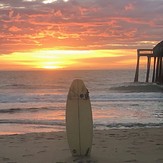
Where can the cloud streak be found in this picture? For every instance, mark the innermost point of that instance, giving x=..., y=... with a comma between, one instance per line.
x=26, y=25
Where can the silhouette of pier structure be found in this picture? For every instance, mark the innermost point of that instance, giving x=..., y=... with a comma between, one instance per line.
x=155, y=55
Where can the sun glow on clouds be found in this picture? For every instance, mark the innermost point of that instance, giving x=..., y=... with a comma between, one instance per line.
x=61, y=59
x=50, y=65
x=29, y=28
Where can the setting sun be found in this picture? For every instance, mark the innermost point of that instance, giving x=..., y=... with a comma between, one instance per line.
x=66, y=59
x=50, y=65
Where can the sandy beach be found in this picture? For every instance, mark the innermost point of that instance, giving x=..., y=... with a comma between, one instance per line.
x=114, y=146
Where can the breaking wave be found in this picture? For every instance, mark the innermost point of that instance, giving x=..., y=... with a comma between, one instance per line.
x=23, y=110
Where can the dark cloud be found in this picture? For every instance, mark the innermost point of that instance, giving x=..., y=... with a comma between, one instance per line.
x=79, y=24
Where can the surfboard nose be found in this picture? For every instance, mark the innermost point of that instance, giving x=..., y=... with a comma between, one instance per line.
x=78, y=89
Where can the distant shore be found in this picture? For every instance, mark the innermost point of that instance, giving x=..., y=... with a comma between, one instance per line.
x=119, y=145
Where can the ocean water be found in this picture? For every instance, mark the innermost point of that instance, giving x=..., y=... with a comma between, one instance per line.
x=34, y=101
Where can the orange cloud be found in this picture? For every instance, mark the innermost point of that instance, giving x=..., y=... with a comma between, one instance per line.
x=79, y=24
x=28, y=26
x=14, y=29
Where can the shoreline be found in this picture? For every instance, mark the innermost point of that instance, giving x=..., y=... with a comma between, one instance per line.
x=112, y=145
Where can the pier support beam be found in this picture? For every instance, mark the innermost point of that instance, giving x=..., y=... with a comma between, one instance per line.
x=162, y=71
x=159, y=78
x=147, y=53
x=137, y=69
x=157, y=70
x=154, y=70
x=148, y=68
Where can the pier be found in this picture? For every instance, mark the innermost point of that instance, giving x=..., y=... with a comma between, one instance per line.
x=157, y=59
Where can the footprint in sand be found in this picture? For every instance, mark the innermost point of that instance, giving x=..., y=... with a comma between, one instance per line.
x=131, y=161
x=5, y=159
x=41, y=151
x=28, y=155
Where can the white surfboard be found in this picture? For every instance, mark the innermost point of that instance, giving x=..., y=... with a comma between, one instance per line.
x=79, y=123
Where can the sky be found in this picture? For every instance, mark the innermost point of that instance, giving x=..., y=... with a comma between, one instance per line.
x=77, y=34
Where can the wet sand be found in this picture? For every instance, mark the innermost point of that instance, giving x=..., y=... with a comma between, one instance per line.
x=109, y=146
